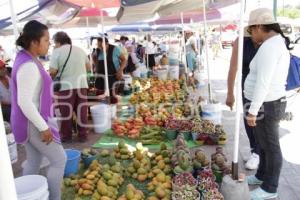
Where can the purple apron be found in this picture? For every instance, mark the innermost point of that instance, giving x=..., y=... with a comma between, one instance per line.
x=19, y=123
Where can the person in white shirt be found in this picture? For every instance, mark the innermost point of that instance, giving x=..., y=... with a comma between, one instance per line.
x=32, y=108
x=264, y=90
x=191, y=50
x=150, y=50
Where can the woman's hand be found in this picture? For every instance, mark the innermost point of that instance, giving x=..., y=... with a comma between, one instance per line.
x=46, y=136
x=251, y=120
x=230, y=101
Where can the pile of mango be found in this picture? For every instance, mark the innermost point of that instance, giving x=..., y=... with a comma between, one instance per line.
x=140, y=166
x=86, y=185
x=132, y=194
x=161, y=160
x=160, y=186
x=122, y=151
x=110, y=181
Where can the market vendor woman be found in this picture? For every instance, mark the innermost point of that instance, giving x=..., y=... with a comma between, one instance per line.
x=31, y=105
x=116, y=63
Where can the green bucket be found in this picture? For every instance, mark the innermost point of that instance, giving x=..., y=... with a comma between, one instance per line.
x=187, y=135
x=171, y=134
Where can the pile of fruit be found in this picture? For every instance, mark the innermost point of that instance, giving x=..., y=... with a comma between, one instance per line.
x=88, y=152
x=160, y=186
x=219, y=162
x=131, y=128
x=157, y=91
x=209, y=133
x=140, y=166
x=181, y=158
x=185, y=187
x=200, y=161
x=132, y=194
x=184, y=181
x=180, y=125
x=158, y=113
x=207, y=185
x=161, y=161
x=121, y=151
x=141, y=175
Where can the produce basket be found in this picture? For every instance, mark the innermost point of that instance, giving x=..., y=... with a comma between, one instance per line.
x=186, y=134
x=203, y=137
x=171, y=134
x=222, y=140
x=176, y=196
x=183, y=187
x=195, y=136
x=219, y=176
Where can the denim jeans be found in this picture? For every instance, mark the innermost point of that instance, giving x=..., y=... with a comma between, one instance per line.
x=267, y=135
x=250, y=130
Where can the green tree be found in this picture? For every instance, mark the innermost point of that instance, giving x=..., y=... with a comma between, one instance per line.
x=292, y=13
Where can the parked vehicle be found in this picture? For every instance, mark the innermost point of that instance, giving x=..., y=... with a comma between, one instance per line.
x=288, y=30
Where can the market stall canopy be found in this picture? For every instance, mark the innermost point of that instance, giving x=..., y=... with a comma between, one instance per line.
x=96, y=3
x=46, y=11
x=146, y=9
x=195, y=16
x=88, y=22
x=139, y=28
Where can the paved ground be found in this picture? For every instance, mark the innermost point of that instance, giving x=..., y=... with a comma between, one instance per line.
x=289, y=187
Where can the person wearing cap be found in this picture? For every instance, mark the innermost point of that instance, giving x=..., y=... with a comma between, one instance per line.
x=5, y=94
x=249, y=50
x=264, y=90
x=191, y=49
x=116, y=63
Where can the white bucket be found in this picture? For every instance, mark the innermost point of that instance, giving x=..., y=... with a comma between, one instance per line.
x=127, y=79
x=137, y=73
x=101, y=115
x=212, y=112
x=12, y=148
x=200, y=77
x=162, y=74
x=32, y=187
x=174, y=72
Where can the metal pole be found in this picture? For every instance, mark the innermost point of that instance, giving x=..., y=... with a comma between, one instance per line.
x=14, y=19
x=107, y=93
x=238, y=95
x=275, y=8
x=206, y=51
x=7, y=189
x=183, y=43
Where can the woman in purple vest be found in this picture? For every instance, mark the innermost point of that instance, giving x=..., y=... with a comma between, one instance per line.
x=32, y=107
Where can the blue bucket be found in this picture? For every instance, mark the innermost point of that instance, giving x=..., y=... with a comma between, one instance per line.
x=73, y=157
x=88, y=160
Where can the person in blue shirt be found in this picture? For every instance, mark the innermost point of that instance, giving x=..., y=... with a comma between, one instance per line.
x=116, y=63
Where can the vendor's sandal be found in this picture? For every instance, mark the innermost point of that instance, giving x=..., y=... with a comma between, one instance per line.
x=252, y=180
x=260, y=194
